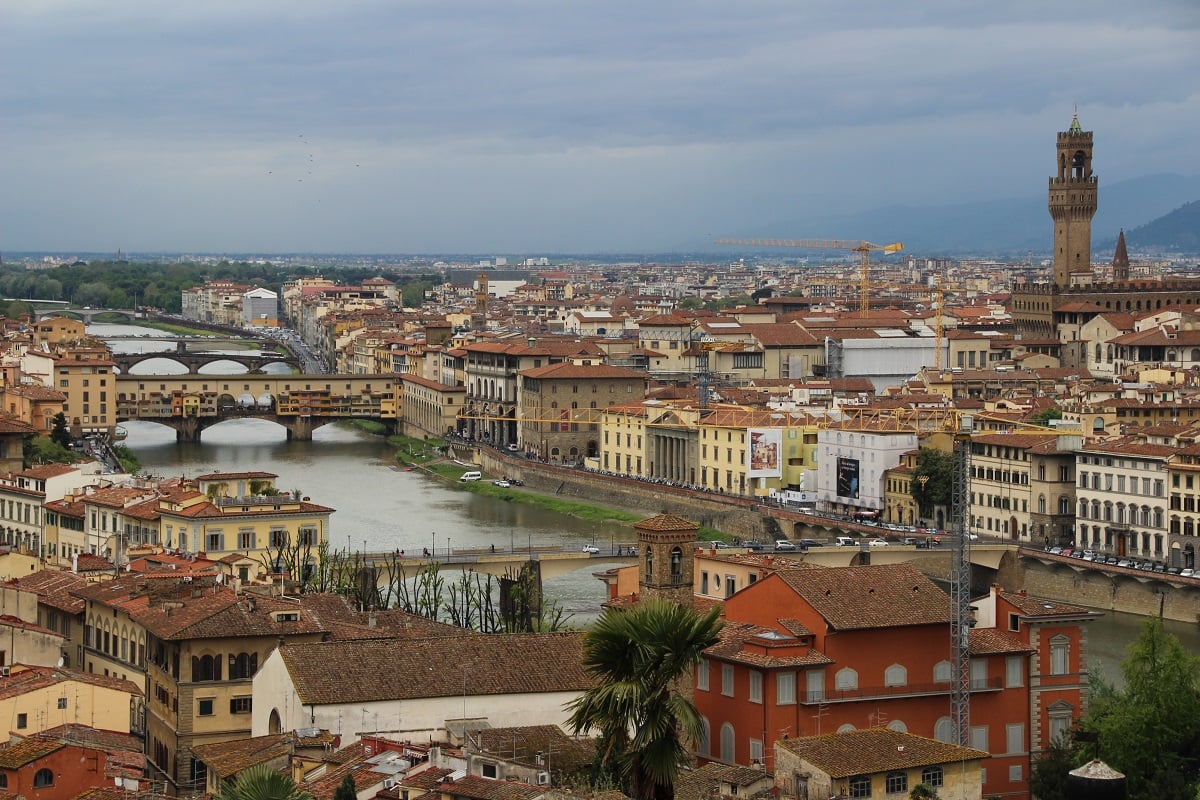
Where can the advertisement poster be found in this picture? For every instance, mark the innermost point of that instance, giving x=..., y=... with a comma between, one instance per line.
x=764, y=458
x=847, y=477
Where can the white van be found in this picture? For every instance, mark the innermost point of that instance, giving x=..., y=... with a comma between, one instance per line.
x=846, y=541
x=470, y=476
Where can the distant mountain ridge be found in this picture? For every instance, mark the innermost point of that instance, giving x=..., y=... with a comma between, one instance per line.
x=1012, y=226
x=1178, y=231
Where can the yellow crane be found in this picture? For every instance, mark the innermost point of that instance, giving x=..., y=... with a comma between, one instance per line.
x=863, y=248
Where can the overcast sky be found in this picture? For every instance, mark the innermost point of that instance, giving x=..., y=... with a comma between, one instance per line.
x=490, y=126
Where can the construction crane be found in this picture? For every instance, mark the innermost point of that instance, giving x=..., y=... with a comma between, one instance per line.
x=863, y=248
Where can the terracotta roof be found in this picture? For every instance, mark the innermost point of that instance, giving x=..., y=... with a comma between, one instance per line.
x=1038, y=607
x=25, y=679
x=851, y=598
x=874, y=750
x=82, y=735
x=227, y=759
x=392, y=669
x=8, y=620
x=734, y=636
x=53, y=588
x=565, y=370
x=993, y=641
x=667, y=522
x=17, y=755
x=524, y=744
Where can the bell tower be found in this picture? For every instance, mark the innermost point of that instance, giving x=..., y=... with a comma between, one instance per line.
x=1073, y=200
x=666, y=555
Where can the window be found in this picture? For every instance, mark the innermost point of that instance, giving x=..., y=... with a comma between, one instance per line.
x=932, y=776
x=239, y=705
x=62, y=702
x=785, y=688
x=204, y=707
x=846, y=678
x=214, y=542
x=1014, y=737
x=755, y=686
x=246, y=540
x=896, y=783
x=1014, y=671
x=22, y=721
x=489, y=770
x=727, y=752
x=1060, y=649
x=895, y=675
x=727, y=680
x=756, y=751
x=1014, y=622
x=942, y=672
x=979, y=673
x=702, y=675
x=979, y=737
x=42, y=778
x=3, y=781
x=943, y=730
x=860, y=786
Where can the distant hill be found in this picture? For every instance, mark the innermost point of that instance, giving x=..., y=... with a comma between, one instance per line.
x=1010, y=226
x=1178, y=231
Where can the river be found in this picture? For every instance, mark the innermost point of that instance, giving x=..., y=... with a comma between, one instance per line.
x=380, y=507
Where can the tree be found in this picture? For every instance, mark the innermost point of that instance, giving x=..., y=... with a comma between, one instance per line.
x=923, y=791
x=261, y=783
x=1044, y=416
x=641, y=658
x=1048, y=780
x=1150, y=729
x=346, y=791
x=60, y=434
x=938, y=467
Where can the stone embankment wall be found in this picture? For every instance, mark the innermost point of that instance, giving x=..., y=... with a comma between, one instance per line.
x=1111, y=591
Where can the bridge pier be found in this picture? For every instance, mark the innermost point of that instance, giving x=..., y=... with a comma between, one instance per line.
x=188, y=430
x=300, y=429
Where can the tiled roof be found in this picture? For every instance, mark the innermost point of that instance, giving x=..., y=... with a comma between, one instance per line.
x=874, y=750
x=227, y=759
x=53, y=588
x=1038, y=607
x=342, y=622
x=393, y=669
x=17, y=755
x=667, y=522
x=885, y=596
x=993, y=641
x=111, y=741
x=524, y=744
x=733, y=637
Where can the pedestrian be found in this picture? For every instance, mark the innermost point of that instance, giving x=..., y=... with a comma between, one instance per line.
x=493, y=548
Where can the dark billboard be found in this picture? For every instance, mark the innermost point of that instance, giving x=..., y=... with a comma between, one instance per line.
x=847, y=477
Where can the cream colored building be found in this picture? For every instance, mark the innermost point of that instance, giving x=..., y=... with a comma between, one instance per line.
x=35, y=699
x=84, y=374
x=1121, y=497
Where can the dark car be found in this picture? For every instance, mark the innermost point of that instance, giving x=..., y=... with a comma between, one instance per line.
x=750, y=544
x=806, y=543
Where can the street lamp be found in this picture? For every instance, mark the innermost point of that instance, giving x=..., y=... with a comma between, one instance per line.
x=433, y=544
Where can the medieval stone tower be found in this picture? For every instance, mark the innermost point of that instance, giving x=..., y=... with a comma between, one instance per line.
x=1073, y=204
x=666, y=547
x=479, y=315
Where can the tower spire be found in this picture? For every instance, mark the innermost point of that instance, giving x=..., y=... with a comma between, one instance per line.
x=1120, y=262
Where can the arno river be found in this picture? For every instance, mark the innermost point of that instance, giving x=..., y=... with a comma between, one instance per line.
x=383, y=508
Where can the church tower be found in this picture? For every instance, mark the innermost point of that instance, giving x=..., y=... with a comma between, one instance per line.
x=1120, y=265
x=1073, y=203
x=667, y=556
x=479, y=315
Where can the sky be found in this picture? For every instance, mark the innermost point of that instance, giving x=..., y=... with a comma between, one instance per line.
x=515, y=127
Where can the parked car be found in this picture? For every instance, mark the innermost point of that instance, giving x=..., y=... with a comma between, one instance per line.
x=591, y=548
x=878, y=543
x=718, y=545
x=512, y=447
x=784, y=544
x=750, y=544
x=806, y=543
x=503, y=484
x=1187, y=572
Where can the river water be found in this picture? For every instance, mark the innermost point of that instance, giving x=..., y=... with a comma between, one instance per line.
x=381, y=508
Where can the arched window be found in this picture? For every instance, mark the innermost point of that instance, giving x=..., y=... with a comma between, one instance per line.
x=274, y=725
x=895, y=675
x=1041, y=505
x=942, y=672
x=676, y=566
x=1083, y=509
x=704, y=746
x=206, y=668
x=1064, y=504
x=846, y=678
x=1098, y=351
x=43, y=777
x=3, y=781
x=727, y=751
x=243, y=666
x=846, y=728
x=932, y=777
x=943, y=730
x=898, y=725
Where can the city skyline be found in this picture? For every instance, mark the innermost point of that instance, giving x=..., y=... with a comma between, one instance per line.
x=544, y=128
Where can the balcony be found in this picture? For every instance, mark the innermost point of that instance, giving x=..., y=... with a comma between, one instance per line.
x=894, y=692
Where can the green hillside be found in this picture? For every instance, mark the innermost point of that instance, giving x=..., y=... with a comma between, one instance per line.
x=1177, y=231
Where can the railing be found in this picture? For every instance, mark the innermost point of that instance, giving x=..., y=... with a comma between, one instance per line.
x=907, y=690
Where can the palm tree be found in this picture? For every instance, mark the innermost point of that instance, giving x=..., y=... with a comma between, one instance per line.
x=641, y=658
x=262, y=783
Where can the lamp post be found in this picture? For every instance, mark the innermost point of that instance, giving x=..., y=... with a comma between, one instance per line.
x=433, y=544
x=447, y=548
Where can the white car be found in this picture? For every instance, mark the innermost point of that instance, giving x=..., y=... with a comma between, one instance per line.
x=503, y=484
x=878, y=543
x=591, y=548
x=1187, y=573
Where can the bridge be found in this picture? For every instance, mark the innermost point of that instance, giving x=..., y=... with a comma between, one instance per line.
x=188, y=354
x=85, y=314
x=553, y=561
x=301, y=403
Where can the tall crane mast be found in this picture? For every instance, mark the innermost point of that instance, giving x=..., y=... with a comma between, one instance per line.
x=863, y=248
x=960, y=582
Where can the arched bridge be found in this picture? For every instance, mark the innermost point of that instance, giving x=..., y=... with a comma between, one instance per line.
x=300, y=403
x=85, y=314
x=188, y=354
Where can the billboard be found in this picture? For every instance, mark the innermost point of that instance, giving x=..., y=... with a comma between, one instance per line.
x=764, y=456
x=847, y=477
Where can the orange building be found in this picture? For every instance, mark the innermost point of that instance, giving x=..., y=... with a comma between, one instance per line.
x=812, y=651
